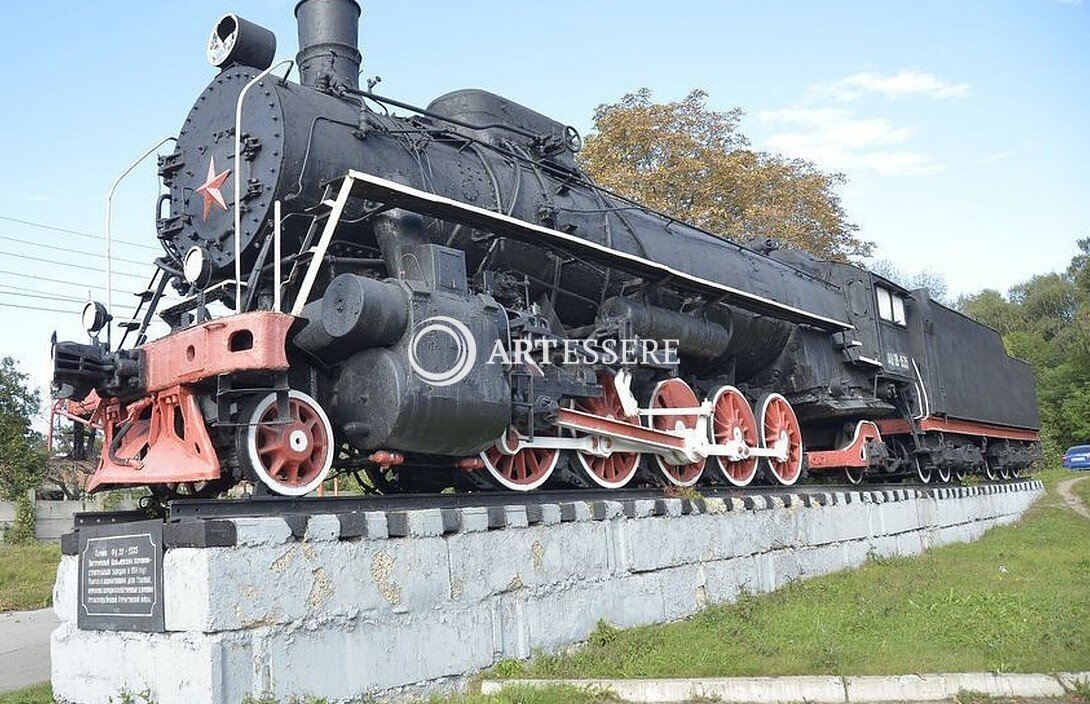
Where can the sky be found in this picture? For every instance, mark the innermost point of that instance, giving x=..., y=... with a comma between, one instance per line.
x=963, y=127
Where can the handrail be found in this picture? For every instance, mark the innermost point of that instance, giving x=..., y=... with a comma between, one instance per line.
x=277, y=293
x=238, y=174
x=318, y=252
x=109, y=217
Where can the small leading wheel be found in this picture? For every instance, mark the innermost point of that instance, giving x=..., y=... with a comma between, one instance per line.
x=616, y=469
x=944, y=473
x=779, y=425
x=923, y=470
x=291, y=456
x=675, y=393
x=524, y=470
x=190, y=490
x=854, y=475
x=732, y=419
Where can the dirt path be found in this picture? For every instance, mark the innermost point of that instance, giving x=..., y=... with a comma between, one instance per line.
x=1070, y=499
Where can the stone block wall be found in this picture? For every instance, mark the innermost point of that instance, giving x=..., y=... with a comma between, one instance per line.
x=345, y=606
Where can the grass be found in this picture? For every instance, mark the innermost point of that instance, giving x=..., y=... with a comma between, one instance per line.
x=43, y=694
x=530, y=695
x=26, y=575
x=38, y=694
x=1016, y=600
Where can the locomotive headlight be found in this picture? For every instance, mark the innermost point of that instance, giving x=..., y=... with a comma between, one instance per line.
x=196, y=266
x=94, y=316
x=238, y=41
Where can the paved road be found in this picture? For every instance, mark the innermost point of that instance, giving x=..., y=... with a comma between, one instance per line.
x=24, y=647
x=1070, y=498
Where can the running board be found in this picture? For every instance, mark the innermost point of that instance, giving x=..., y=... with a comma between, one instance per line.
x=390, y=193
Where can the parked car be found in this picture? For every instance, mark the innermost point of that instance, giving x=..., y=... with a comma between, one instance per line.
x=1077, y=457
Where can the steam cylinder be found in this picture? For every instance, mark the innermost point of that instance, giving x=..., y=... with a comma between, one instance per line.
x=355, y=313
x=698, y=337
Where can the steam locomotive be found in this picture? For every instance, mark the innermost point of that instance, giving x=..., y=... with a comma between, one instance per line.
x=441, y=297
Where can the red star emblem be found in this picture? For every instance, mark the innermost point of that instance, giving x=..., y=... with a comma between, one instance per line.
x=211, y=188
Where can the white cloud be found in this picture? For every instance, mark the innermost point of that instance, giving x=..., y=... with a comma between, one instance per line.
x=824, y=130
x=903, y=84
x=998, y=156
x=803, y=116
x=839, y=126
x=836, y=138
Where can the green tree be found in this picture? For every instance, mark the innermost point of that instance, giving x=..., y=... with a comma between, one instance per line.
x=22, y=460
x=993, y=309
x=1046, y=321
x=694, y=164
x=21, y=456
x=923, y=278
x=1079, y=271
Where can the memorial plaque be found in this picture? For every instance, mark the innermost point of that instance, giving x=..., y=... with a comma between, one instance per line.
x=121, y=577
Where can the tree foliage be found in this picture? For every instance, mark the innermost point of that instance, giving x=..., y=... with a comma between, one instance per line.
x=924, y=278
x=21, y=456
x=694, y=164
x=1046, y=321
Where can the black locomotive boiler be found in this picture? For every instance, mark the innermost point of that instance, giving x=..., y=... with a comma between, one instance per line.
x=441, y=297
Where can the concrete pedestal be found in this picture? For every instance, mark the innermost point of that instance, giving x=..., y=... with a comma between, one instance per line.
x=347, y=606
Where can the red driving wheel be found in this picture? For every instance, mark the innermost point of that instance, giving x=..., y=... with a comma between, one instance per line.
x=778, y=422
x=732, y=418
x=616, y=469
x=675, y=393
x=524, y=470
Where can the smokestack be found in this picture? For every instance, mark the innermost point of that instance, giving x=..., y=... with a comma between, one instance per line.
x=328, y=43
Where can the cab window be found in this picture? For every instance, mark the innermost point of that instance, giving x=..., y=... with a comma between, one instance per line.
x=891, y=305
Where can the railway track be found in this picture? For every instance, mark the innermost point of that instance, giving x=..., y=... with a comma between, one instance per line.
x=257, y=506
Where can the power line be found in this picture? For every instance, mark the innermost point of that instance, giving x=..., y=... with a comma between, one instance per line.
x=34, y=293
x=62, y=299
x=74, y=266
x=66, y=283
x=38, y=293
x=77, y=232
x=166, y=298
x=72, y=251
x=38, y=308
